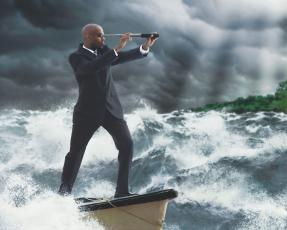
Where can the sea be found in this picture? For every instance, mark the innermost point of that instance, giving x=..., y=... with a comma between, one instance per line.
x=230, y=170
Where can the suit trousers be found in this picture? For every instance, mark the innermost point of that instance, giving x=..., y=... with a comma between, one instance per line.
x=82, y=131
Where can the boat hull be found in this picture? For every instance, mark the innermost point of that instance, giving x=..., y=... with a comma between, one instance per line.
x=136, y=212
x=147, y=216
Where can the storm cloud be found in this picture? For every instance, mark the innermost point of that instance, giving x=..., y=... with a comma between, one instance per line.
x=208, y=51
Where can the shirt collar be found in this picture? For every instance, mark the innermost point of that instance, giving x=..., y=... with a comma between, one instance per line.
x=94, y=52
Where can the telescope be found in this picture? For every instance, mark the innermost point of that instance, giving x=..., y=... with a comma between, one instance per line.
x=138, y=35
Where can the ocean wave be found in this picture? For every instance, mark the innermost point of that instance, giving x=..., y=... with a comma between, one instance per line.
x=229, y=169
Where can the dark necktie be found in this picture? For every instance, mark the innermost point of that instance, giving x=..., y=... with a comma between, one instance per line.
x=98, y=51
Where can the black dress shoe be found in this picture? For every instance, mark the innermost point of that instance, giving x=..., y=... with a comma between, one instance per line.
x=117, y=195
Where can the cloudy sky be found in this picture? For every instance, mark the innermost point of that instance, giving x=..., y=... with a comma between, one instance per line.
x=208, y=51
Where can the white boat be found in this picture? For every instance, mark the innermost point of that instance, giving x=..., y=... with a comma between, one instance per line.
x=136, y=212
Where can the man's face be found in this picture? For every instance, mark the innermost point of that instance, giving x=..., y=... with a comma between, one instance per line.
x=96, y=37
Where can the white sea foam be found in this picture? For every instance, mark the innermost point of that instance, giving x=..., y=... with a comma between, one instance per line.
x=261, y=210
x=99, y=189
x=41, y=142
x=46, y=212
x=23, y=209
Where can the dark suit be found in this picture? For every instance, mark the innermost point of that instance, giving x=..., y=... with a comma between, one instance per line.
x=98, y=105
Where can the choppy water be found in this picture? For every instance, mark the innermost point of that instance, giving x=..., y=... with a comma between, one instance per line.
x=230, y=170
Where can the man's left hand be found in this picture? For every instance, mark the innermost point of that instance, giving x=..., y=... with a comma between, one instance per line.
x=149, y=42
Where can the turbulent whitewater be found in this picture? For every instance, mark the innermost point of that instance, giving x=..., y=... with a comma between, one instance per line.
x=230, y=170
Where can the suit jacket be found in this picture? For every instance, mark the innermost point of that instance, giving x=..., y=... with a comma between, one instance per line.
x=96, y=87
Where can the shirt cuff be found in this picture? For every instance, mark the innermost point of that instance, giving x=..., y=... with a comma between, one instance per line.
x=143, y=51
x=116, y=53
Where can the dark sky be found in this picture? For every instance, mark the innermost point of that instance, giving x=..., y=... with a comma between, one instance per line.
x=208, y=51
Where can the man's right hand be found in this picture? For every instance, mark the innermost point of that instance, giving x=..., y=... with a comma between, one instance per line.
x=123, y=41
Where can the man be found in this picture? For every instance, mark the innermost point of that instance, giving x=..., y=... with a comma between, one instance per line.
x=98, y=103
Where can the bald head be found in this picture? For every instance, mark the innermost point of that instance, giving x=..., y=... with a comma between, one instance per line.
x=93, y=35
x=90, y=28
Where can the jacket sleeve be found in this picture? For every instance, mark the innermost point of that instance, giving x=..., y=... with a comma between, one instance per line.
x=83, y=66
x=130, y=55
